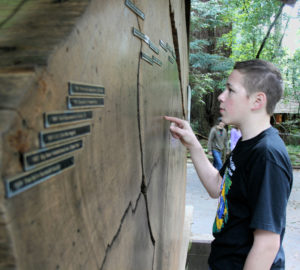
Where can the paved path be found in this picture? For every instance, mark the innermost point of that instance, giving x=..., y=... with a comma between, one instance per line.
x=205, y=210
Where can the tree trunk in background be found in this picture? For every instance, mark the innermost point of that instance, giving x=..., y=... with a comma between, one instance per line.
x=207, y=114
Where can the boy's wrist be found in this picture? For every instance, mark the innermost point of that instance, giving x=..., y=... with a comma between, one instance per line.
x=195, y=147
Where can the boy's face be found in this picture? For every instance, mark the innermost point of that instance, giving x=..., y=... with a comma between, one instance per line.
x=234, y=101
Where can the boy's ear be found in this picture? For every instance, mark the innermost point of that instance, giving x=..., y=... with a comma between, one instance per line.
x=259, y=100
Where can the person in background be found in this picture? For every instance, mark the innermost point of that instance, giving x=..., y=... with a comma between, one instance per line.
x=217, y=143
x=235, y=135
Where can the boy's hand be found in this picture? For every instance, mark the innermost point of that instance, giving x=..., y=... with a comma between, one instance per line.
x=181, y=129
x=208, y=175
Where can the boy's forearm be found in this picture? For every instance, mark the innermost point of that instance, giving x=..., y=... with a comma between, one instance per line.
x=260, y=260
x=208, y=175
x=263, y=252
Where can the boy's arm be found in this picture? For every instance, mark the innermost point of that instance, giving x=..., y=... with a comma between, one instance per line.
x=264, y=250
x=208, y=175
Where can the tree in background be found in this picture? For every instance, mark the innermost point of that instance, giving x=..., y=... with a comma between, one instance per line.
x=224, y=31
x=292, y=75
x=209, y=62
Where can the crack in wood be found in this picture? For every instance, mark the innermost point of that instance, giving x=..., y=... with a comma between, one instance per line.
x=109, y=246
x=144, y=187
x=176, y=47
x=13, y=13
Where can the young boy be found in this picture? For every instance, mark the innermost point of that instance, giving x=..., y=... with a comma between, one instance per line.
x=255, y=182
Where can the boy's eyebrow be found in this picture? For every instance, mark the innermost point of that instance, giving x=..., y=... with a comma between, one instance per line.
x=231, y=86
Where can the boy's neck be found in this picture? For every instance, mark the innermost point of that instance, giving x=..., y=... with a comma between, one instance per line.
x=254, y=126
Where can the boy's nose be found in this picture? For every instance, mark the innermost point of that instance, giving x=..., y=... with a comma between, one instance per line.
x=221, y=96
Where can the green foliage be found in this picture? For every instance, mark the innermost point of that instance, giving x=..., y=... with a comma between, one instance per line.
x=292, y=77
x=289, y=127
x=206, y=14
x=208, y=71
x=210, y=62
x=294, y=153
x=248, y=22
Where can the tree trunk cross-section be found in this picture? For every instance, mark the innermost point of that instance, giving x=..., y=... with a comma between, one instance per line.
x=91, y=177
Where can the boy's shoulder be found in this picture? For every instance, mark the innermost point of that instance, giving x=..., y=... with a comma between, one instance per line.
x=269, y=141
x=271, y=148
x=267, y=146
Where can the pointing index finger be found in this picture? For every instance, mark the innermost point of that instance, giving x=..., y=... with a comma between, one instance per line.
x=175, y=120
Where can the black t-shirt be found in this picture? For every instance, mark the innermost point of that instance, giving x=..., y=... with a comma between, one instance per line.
x=257, y=181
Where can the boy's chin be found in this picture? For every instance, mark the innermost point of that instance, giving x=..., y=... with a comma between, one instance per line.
x=224, y=120
x=227, y=121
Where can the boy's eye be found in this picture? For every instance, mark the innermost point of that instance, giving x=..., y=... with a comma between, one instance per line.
x=230, y=90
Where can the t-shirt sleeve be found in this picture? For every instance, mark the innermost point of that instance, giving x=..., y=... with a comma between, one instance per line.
x=268, y=194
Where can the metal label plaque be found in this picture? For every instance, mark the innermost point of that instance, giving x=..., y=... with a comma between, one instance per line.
x=57, y=136
x=24, y=181
x=163, y=45
x=169, y=48
x=147, y=58
x=171, y=59
x=136, y=10
x=61, y=118
x=156, y=61
x=85, y=89
x=140, y=35
x=153, y=47
x=174, y=55
x=83, y=102
x=40, y=157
